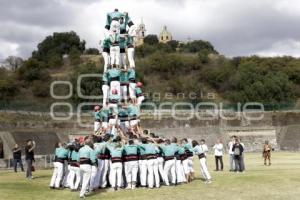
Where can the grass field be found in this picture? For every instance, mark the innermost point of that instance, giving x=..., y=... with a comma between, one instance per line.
x=259, y=182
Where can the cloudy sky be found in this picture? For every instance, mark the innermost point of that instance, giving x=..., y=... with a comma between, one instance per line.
x=234, y=27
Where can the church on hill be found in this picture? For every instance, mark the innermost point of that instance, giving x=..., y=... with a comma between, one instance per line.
x=165, y=36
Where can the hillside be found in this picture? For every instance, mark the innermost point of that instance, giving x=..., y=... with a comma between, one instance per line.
x=173, y=72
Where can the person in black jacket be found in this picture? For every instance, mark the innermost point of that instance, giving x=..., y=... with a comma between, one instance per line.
x=17, y=154
x=238, y=150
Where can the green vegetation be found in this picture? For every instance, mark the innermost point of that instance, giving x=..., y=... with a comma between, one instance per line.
x=277, y=182
x=172, y=68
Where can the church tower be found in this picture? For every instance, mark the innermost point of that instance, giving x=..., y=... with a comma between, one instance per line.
x=139, y=40
x=165, y=36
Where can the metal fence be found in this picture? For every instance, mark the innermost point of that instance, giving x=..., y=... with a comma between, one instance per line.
x=41, y=162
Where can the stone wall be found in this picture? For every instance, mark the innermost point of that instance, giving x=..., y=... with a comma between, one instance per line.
x=281, y=128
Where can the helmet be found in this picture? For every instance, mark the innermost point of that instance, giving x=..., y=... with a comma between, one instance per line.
x=139, y=84
x=97, y=107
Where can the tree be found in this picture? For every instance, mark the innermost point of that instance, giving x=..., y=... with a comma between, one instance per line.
x=173, y=44
x=198, y=45
x=32, y=70
x=14, y=62
x=74, y=56
x=53, y=47
x=151, y=39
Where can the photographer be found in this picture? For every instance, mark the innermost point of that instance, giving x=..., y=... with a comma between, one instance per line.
x=29, y=156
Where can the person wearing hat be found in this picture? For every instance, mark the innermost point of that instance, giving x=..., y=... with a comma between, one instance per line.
x=85, y=157
x=139, y=93
x=61, y=154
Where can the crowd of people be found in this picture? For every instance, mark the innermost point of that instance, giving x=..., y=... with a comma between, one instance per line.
x=126, y=161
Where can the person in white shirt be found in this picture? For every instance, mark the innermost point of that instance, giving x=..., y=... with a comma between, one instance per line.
x=231, y=153
x=218, y=147
x=203, y=146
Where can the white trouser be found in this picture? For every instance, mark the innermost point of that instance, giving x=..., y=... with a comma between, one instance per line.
x=93, y=183
x=140, y=100
x=152, y=168
x=123, y=60
x=57, y=174
x=115, y=55
x=204, y=170
x=160, y=163
x=115, y=85
x=106, y=60
x=191, y=164
x=103, y=166
x=115, y=174
x=65, y=175
x=74, y=177
x=98, y=175
x=186, y=167
x=124, y=95
x=130, y=53
x=131, y=169
x=105, y=90
x=143, y=172
x=104, y=125
x=180, y=172
x=85, y=170
x=132, y=90
x=170, y=167
x=97, y=126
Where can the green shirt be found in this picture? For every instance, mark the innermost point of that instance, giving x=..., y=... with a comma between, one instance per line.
x=104, y=114
x=147, y=149
x=74, y=155
x=115, y=151
x=130, y=150
x=98, y=115
x=133, y=111
x=169, y=150
x=85, y=152
x=124, y=77
x=131, y=74
x=61, y=153
x=111, y=16
x=138, y=91
x=113, y=73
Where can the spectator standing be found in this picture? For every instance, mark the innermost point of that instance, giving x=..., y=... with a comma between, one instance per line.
x=29, y=156
x=17, y=157
x=218, y=147
x=238, y=150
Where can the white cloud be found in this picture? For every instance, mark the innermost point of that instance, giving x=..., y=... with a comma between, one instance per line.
x=282, y=48
x=234, y=27
x=8, y=48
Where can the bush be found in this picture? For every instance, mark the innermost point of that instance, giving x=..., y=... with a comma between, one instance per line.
x=40, y=88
